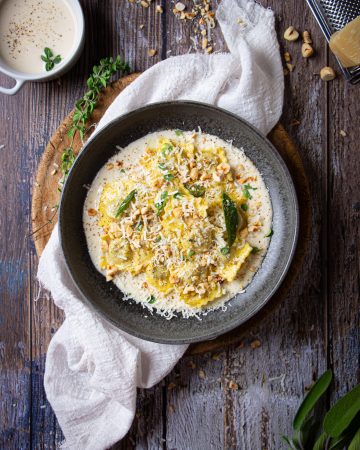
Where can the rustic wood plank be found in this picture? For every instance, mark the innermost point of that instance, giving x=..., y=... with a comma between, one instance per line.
x=15, y=370
x=343, y=234
x=272, y=377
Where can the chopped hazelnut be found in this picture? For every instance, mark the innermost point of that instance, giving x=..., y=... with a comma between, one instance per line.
x=306, y=37
x=327, y=74
x=152, y=52
x=306, y=50
x=291, y=34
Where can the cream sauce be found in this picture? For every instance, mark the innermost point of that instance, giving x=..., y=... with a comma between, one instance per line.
x=260, y=209
x=28, y=26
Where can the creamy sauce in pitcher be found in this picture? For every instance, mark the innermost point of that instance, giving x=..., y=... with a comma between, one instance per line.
x=28, y=26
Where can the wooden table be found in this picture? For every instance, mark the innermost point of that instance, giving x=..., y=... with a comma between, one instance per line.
x=315, y=328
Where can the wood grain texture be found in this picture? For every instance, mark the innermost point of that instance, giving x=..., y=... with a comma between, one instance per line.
x=316, y=326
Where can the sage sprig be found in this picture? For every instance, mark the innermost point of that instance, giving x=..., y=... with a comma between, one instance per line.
x=340, y=428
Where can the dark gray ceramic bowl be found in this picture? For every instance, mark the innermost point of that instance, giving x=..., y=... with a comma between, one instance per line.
x=105, y=297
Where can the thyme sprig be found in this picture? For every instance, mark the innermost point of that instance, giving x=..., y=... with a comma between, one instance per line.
x=84, y=107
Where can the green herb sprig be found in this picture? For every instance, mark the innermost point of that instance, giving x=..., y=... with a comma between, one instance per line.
x=160, y=205
x=196, y=190
x=340, y=427
x=125, y=203
x=151, y=300
x=231, y=218
x=49, y=59
x=84, y=107
x=246, y=191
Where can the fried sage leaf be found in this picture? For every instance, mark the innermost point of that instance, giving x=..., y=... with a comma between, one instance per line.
x=125, y=203
x=231, y=218
x=195, y=189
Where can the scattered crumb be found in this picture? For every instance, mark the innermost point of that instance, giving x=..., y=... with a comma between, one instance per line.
x=2, y=146
x=172, y=408
x=263, y=379
x=152, y=52
x=141, y=26
x=202, y=375
x=216, y=357
x=255, y=344
x=241, y=22
x=343, y=133
x=290, y=67
x=200, y=15
x=171, y=386
x=92, y=212
x=180, y=6
x=287, y=57
x=234, y=386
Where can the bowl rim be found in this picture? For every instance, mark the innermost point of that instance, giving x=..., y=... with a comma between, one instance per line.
x=235, y=323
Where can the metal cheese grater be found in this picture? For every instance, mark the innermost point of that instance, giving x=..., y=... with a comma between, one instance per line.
x=332, y=15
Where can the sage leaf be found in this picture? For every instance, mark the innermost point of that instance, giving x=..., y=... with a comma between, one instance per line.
x=231, y=218
x=308, y=432
x=125, y=203
x=195, y=189
x=355, y=443
x=321, y=442
x=345, y=438
x=342, y=413
x=311, y=399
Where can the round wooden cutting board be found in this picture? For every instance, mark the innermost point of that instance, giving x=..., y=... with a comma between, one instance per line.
x=46, y=197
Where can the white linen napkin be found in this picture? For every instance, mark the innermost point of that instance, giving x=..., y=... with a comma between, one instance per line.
x=93, y=369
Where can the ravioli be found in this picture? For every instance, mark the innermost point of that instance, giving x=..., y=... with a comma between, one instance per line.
x=165, y=219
